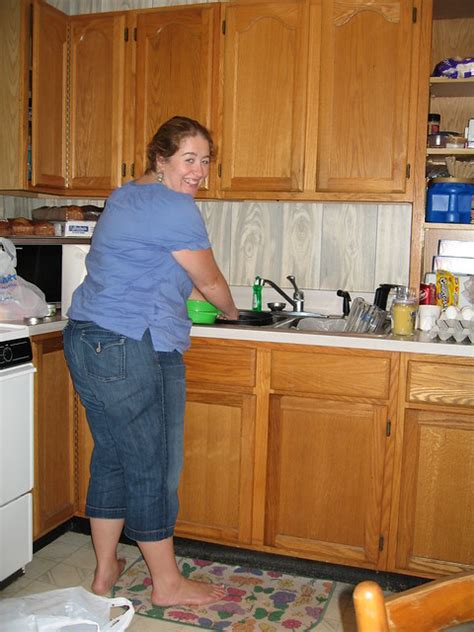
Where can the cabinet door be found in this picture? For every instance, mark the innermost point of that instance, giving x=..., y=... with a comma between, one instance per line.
x=176, y=74
x=216, y=485
x=54, y=487
x=49, y=74
x=325, y=479
x=265, y=63
x=96, y=102
x=367, y=96
x=434, y=522
x=14, y=49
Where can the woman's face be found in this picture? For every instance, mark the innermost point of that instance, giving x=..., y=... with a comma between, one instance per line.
x=186, y=170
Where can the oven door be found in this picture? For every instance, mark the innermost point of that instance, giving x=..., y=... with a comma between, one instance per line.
x=16, y=467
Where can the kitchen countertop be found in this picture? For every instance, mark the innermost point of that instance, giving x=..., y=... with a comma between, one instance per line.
x=419, y=343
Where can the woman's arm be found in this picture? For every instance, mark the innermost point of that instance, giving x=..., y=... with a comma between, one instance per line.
x=208, y=279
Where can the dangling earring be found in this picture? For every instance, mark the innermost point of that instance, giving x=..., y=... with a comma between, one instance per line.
x=159, y=176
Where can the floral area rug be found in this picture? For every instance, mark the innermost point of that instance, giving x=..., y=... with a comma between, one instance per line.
x=256, y=600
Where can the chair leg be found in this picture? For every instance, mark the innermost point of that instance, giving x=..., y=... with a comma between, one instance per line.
x=369, y=604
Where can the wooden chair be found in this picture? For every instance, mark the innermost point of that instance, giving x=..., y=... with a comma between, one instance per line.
x=430, y=607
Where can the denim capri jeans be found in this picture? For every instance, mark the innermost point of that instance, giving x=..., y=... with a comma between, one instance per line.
x=134, y=398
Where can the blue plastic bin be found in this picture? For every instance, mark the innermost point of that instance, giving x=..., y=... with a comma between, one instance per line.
x=449, y=200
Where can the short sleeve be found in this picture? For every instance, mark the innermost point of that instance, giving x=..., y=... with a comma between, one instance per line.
x=180, y=225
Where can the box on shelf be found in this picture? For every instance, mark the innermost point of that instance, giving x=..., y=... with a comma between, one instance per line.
x=430, y=277
x=74, y=228
x=456, y=265
x=453, y=248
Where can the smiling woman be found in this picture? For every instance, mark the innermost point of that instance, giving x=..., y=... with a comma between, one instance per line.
x=128, y=328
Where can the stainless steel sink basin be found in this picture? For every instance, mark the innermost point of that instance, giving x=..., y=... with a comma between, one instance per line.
x=312, y=323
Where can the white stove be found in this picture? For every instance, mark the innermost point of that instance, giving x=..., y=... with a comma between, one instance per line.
x=16, y=449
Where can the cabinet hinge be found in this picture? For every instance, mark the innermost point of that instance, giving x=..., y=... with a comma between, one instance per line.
x=223, y=27
x=414, y=14
x=388, y=428
x=408, y=171
x=135, y=34
x=125, y=34
x=219, y=170
x=132, y=170
x=381, y=543
x=124, y=170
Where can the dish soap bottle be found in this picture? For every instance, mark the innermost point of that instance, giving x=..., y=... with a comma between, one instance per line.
x=257, y=294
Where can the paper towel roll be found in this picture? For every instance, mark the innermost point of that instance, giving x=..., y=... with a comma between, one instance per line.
x=73, y=272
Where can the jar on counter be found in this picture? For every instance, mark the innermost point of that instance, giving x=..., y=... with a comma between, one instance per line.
x=404, y=308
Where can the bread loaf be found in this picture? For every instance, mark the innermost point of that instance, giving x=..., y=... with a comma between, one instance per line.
x=5, y=228
x=43, y=228
x=21, y=226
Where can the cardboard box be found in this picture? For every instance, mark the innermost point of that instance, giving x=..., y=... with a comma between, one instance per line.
x=456, y=265
x=452, y=248
x=74, y=228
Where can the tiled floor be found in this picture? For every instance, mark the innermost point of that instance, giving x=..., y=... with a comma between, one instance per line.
x=70, y=561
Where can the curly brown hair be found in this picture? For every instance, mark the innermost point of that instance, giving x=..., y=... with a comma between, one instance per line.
x=165, y=143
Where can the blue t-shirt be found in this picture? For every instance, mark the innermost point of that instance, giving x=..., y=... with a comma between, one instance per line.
x=133, y=282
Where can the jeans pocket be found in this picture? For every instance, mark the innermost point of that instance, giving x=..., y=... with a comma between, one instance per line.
x=104, y=354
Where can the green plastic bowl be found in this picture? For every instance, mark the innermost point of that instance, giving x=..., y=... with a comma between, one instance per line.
x=202, y=312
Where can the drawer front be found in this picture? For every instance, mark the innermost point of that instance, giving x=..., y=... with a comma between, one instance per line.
x=331, y=374
x=440, y=383
x=220, y=364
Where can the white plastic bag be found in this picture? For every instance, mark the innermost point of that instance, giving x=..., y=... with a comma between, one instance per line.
x=64, y=610
x=18, y=298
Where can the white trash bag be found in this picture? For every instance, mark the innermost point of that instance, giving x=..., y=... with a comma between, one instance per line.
x=64, y=610
x=18, y=298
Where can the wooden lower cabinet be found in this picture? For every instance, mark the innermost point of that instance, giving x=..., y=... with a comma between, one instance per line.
x=347, y=456
x=328, y=447
x=432, y=530
x=216, y=485
x=54, y=484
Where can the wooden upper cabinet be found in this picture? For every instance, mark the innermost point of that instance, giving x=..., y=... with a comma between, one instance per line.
x=177, y=72
x=14, y=42
x=265, y=61
x=97, y=58
x=49, y=76
x=367, y=102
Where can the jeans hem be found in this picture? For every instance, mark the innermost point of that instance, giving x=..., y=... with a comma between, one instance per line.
x=153, y=535
x=110, y=514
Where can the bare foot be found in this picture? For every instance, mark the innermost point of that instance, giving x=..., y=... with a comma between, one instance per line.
x=103, y=583
x=187, y=592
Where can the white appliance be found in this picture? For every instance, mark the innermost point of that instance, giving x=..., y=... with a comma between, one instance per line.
x=16, y=449
x=73, y=272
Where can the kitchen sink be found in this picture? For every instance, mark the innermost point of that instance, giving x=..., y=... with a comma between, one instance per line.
x=312, y=323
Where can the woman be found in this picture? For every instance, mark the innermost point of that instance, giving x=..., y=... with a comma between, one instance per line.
x=124, y=341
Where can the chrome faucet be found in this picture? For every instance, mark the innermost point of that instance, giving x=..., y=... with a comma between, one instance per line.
x=297, y=302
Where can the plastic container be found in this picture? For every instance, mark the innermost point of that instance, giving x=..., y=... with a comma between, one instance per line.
x=449, y=200
x=202, y=312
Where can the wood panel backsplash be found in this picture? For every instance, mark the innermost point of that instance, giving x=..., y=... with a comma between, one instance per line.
x=326, y=246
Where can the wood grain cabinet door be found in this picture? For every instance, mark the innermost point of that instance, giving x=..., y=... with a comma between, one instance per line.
x=265, y=61
x=325, y=479
x=96, y=102
x=54, y=486
x=216, y=484
x=435, y=518
x=49, y=75
x=176, y=72
x=367, y=103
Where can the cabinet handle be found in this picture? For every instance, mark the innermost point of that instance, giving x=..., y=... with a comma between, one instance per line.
x=124, y=170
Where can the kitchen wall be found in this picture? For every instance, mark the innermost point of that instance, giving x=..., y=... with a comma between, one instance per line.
x=326, y=246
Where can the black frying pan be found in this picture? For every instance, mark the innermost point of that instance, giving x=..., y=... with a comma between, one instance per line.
x=248, y=317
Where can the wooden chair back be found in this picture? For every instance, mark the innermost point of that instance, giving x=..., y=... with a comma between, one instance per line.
x=430, y=607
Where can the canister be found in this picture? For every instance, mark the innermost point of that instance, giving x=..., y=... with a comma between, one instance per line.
x=404, y=308
x=449, y=200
